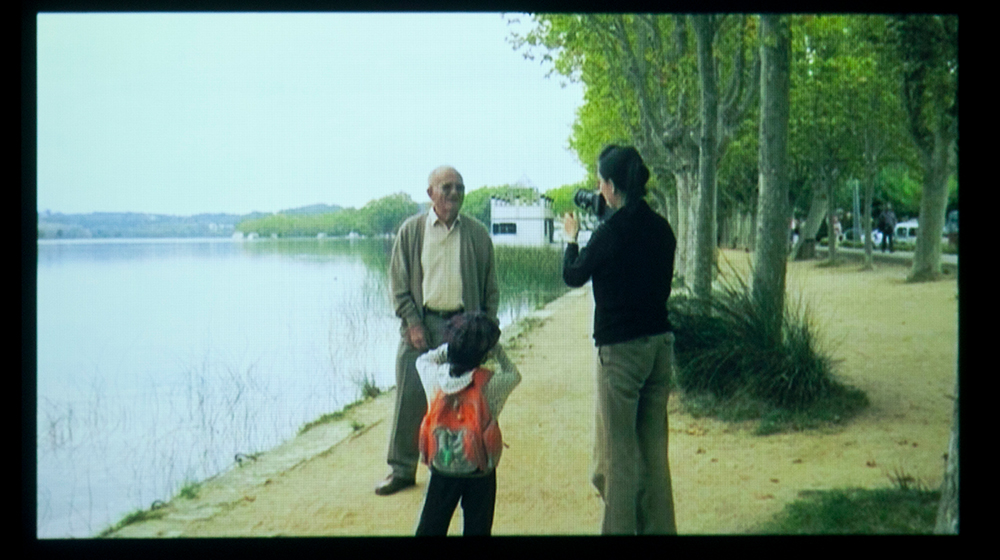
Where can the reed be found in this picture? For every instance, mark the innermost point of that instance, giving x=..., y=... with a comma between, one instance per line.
x=529, y=276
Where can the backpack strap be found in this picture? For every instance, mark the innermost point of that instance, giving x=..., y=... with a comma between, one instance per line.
x=480, y=377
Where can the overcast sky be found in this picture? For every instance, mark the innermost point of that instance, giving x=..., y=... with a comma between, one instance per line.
x=191, y=113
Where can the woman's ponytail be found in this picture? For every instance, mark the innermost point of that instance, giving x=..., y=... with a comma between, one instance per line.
x=623, y=166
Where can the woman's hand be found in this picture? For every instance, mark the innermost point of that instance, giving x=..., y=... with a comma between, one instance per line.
x=570, y=226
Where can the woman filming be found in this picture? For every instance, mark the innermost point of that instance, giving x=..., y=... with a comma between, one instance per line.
x=630, y=259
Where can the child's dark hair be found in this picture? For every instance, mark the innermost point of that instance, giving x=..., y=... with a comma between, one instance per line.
x=470, y=336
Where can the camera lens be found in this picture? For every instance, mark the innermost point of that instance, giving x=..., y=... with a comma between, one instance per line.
x=590, y=201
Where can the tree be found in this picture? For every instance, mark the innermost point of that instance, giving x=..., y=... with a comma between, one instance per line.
x=380, y=216
x=768, y=285
x=846, y=120
x=873, y=113
x=640, y=71
x=705, y=26
x=638, y=75
x=927, y=47
x=820, y=146
x=386, y=214
x=562, y=197
x=477, y=202
x=719, y=121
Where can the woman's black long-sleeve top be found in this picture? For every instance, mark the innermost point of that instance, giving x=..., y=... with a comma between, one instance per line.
x=630, y=258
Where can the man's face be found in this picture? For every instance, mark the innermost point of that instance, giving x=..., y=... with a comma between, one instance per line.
x=447, y=192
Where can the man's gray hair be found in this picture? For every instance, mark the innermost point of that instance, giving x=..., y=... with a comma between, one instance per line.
x=440, y=171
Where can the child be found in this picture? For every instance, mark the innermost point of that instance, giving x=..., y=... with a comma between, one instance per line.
x=459, y=437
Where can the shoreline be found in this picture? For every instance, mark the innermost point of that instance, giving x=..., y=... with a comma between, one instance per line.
x=227, y=488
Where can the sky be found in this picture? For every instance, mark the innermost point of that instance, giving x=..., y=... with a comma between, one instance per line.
x=188, y=113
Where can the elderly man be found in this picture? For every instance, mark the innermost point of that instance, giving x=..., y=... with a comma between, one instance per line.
x=442, y=265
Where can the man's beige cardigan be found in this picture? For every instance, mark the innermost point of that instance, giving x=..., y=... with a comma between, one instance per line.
x=479, y=277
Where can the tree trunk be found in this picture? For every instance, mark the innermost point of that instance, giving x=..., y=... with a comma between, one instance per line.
x=665, y=196
x=733, y=229
x=927, y=257
x=866, y=229
x=685, y=184
x=947, y=515
x=871, y=169
x=772, y=209
x=831, y=218
x=809, y=228
x=706, y=228
x=748, y=226
x=928, y=45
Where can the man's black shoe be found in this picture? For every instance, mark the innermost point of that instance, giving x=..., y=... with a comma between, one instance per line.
x=391, y=485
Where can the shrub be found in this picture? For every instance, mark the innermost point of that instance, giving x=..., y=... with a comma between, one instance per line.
x=730, y=365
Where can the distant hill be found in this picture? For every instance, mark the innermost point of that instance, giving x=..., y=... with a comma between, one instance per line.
x=56, y=225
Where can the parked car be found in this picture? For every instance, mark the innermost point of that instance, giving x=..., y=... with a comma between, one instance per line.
x=906, y=231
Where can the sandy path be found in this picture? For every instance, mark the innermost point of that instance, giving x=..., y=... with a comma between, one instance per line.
x=897, y=342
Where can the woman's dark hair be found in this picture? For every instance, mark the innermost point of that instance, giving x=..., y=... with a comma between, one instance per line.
x=623, y=166
x=470, y=336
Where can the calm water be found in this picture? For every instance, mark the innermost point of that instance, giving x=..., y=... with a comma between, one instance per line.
x=159, y=361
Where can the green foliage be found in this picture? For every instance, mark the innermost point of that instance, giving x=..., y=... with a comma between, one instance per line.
x=189, y=490
x=623, y=85
x=846, y=112
x=477, y=202
x=927, y=49
x=896, y=184
x=384, y=215
x=562, y=197
x=731, y=364
x=378, y=217
x=738, y=175
x=897, y=511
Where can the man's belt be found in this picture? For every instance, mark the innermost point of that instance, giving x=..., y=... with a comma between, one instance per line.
x=443, y=314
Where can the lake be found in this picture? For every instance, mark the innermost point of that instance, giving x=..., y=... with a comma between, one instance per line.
x=160, y=360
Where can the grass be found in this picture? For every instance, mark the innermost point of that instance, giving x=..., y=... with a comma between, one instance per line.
x=858, y=511
x=189, y=490
x=369, y=390
x=520, y=341
x=331, y=417
x=734, y=366
x=134, y=517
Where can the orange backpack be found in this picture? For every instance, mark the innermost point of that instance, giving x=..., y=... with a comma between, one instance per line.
x=458, y=436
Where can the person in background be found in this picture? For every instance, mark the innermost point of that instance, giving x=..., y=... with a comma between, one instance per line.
x=887, y=225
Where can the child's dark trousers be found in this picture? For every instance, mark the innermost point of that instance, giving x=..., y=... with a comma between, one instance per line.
x=477, y=494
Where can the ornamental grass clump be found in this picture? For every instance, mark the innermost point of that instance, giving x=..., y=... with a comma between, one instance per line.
x=733, y=365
